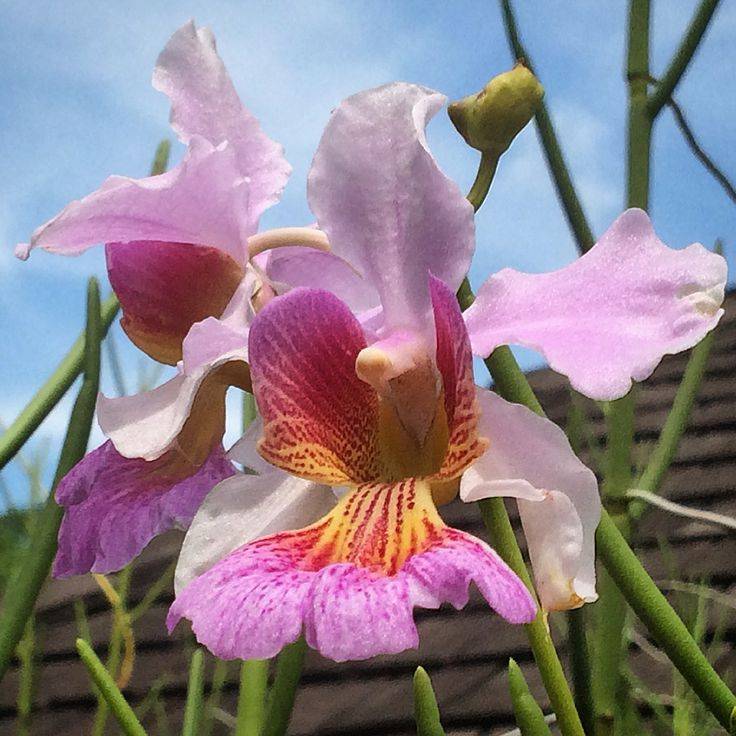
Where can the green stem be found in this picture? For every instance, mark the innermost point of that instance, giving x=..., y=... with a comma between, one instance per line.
x=27, y=656
x=123, y=713
x=528, y=714
x=509, y=381
x=426, y=712
x=30, y=576
x=483, y=179
x=683, y=56
x=283, y=691
x=49, y=395
x=663, y=623
x=577, y=639
x=504, y=541
x=252, y=697
x=195, y=696
x=550, y=145
x=676, y=422
x=219, y=677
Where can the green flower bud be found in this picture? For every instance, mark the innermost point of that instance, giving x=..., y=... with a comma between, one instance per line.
x=491, y=119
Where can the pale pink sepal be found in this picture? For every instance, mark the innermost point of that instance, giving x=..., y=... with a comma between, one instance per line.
x=530, y=458
x=610, y=316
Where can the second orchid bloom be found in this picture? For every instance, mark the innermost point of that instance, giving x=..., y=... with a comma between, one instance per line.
x=361, y=364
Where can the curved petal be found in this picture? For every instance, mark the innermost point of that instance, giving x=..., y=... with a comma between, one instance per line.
x=204, y=103
x=320, y=419
x=114, y=506
x=245, y=450
x=187, y=411
x=350, y=581
x=203, y=200
x=164, y=288
x=244, y=508
x=295, y=266
x=529, y=458
x=611, y=315
x=385, y=205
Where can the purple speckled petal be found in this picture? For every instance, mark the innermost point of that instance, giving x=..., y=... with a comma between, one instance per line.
x=115, y=505
x=350, y=580
x=610, y=316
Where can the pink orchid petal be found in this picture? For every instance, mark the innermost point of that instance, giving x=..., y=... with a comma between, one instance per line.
x=114, y=506
x=243, y=508
x=291, y=267
x=320, y=419
x=204, y=103
x=154, y=283
x=610, y=316
x=201, y=201
x=385, y=205
x=530, y=458
x=455, y=364
x=146, y=425
x=353, y=599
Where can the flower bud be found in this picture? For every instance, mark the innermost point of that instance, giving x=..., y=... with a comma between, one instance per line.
x=491, y=119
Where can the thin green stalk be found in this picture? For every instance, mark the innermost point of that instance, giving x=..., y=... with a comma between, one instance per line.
x=195, y=695
x=26, y=655
x=504, y=541
x=426, y=712
x=49, y=395
x=528, y=714
x=571, y=204
x=683, y=56
x=663, y=623
x=483, y=179
x=676, y=422
x=31, y=574
x=123, y=713
x=283, y=691
x=252, y=697
x=577, y=638
x=611, y=613
x=512, y=384
x=219, y=677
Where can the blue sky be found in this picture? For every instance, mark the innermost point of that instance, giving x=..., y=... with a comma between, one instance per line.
x=76, y=105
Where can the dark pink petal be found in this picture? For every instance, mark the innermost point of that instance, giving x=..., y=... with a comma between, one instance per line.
x=385, y=205
x=610, y=316
x=320, y=419
x=204, y=103
x=114, y=506
x=165, y=288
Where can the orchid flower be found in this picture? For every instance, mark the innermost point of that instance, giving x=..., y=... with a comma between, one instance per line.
x=185, y=262
x=375, y=398
x=392, y=217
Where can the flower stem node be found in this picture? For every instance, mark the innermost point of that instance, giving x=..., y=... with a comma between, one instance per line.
x=491, y=119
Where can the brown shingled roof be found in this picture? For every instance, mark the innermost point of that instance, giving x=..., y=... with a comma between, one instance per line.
x=465, y=652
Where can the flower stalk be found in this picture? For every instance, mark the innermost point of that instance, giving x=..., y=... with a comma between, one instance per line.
x=195, y=696
x=528, y=714
x=252, y=697
x=283, y=691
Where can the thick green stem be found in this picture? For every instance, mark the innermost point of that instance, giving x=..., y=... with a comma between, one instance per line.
x=283, y=691
x=252, y=698
x=663, y=623
x=31, y=574
x=571, y=204
x=684, y=54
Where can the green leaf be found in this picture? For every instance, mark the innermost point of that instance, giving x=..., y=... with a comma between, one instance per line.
x=528, y=714
x=426, y=712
